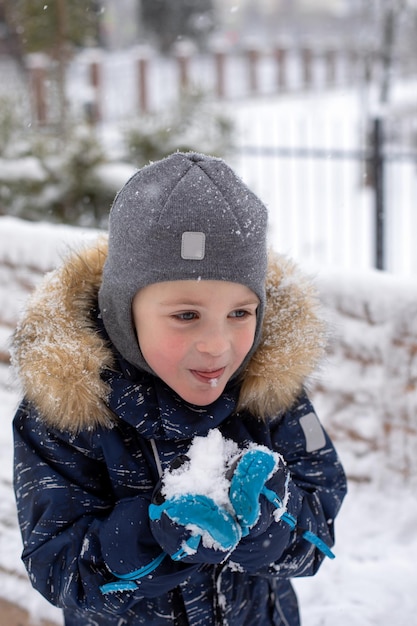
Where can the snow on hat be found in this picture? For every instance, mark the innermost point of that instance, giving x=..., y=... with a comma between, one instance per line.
x=186, y=217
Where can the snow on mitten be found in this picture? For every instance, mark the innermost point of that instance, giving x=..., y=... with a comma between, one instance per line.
x=255, y=468
x=191, y=510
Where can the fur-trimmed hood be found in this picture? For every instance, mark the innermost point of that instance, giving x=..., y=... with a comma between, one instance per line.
x=59, y=355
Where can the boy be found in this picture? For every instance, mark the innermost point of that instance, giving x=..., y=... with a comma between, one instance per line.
x=169, y=467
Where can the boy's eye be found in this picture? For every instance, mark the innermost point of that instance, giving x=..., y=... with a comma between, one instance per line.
x=240, y=313
x=187, y=316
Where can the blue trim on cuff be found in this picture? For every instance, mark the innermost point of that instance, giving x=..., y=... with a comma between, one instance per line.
x=142, y=571
x=319, y=543
x=116, y=586
x=125, y=582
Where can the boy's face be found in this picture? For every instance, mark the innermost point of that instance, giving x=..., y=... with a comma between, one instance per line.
x=195, y=334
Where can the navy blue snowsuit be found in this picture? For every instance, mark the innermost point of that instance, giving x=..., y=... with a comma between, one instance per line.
x=83, y=493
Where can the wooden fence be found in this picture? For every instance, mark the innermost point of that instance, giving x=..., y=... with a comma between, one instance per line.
x=225, y=75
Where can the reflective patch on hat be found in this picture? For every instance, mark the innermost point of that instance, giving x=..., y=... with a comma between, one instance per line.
x=313, y=432
x=193, y=246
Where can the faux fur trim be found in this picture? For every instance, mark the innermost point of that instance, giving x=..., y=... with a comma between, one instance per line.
x=293, y=342
x=59, y=356
x=56, y=350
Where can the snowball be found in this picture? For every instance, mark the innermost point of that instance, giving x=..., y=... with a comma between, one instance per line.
x=205, y=473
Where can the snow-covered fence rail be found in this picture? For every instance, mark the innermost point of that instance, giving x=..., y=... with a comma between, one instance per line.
x=367, y=392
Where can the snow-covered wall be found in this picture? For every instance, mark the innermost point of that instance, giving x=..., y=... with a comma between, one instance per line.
x=367, y=390
x=27, y=251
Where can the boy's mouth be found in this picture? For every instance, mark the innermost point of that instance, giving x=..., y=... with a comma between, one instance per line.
x=208, y=376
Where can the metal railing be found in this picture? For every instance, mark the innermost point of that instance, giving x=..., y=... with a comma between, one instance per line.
x=376, y=158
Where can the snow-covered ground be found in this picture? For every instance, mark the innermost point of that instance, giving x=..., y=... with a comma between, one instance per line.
x=371, y=581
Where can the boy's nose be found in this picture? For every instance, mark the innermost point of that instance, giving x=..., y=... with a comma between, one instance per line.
x=214, y=342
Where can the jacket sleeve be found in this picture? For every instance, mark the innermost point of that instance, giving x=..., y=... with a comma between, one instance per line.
x=77, y=534
x=296, y=544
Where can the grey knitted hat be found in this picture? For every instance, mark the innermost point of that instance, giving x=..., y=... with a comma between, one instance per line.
x=186, y=217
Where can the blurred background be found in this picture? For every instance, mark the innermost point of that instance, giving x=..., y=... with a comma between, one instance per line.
x=313, y=102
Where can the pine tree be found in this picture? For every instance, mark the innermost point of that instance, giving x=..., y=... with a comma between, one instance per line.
x=168, y=21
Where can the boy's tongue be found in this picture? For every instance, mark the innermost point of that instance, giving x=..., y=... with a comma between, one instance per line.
x=208, y=376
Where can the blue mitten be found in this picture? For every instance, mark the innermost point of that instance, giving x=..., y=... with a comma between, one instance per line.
x=203, y=517
x=254, y=469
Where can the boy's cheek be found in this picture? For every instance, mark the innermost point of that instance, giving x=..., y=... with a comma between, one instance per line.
x=164, y=356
